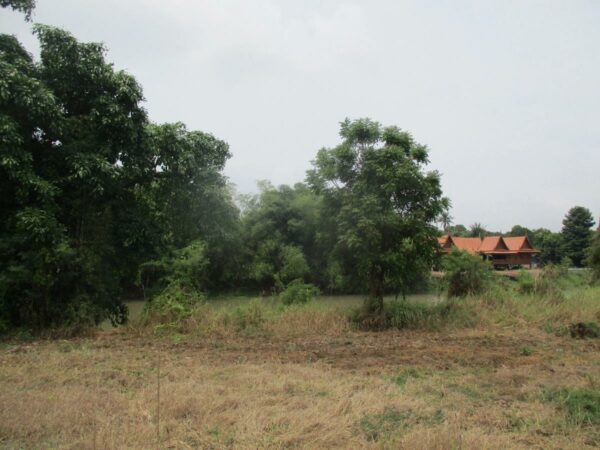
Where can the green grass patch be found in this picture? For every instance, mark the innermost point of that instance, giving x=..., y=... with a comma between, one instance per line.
x=581, y=406
x=406, y=375
x=375, y=427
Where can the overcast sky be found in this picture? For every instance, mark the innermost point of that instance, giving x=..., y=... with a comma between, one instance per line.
x=506, y=94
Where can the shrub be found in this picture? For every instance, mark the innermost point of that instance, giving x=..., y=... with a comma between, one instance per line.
x=526, y=282
x=297, y=293
x=172, y=305
x=250, y=317
x=186, y=267
x=465, y=274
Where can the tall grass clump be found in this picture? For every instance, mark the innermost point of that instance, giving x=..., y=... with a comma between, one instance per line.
x=465, y=274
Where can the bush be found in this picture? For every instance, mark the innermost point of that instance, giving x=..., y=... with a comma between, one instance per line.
x=298, y=293
x=186, y=267
x=174, y=304
x=465, y=274
x=526, y=282
x=250, y=317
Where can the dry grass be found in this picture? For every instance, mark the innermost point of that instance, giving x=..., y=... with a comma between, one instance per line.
x=471, y=389
x=264, y=377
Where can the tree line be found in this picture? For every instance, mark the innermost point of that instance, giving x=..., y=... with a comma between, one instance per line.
x=100, y=204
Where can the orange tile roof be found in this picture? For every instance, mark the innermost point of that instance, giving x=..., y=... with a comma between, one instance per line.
x=490, y=243
x=519, y=243
x=469, y=244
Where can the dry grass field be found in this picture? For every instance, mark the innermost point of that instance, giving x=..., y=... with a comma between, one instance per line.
x=474, y=388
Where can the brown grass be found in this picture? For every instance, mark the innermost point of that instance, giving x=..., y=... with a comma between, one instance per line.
x=471, y=389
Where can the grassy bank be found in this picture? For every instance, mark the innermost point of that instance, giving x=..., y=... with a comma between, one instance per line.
x=497, y=370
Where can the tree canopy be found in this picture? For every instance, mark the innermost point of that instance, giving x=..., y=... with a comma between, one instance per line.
x=577, y=234
x=90, y=188
x=384, y=204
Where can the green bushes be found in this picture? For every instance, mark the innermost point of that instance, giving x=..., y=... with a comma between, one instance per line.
x=297, y=293
x=465, y=274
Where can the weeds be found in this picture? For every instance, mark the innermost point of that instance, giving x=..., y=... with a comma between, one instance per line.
x=581, y=406
x=381, y=425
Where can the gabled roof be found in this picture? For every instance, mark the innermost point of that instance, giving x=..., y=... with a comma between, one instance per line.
x=519, y=244
x=469, y=244
x=489, y=244
x=493, y=244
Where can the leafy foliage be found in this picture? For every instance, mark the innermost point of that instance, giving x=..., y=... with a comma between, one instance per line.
x=593, y=260
x=91, y=189
x=465, y=274
x=380, y=204
x=577, y=234
x=298, y=293
x=24, y=6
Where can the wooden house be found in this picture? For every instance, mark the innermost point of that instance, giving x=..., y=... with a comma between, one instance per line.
x=503, y=252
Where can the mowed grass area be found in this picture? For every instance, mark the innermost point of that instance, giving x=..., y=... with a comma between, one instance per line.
x=299, y=379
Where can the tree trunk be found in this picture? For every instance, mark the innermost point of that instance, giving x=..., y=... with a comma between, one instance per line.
x=374, y=316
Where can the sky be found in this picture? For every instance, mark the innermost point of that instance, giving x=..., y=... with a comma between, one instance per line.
x=506, y=94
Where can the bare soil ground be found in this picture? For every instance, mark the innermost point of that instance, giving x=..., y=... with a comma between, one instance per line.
x=469, y=389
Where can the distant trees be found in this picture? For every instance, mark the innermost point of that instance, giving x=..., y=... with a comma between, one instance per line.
x=384, y=205
x=280, y=228
x=550, y=245
x=577, y=234
x=477, y=230
x=594, y=256
x=519, y=230
x=445, y=220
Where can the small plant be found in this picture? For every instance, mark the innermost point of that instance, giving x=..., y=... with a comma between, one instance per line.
x=465, y=274
x=525, y=351
x=298, y=293
x=173, y=304
x=250, y=317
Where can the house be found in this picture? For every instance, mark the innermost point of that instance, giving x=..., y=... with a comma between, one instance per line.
x=501, y=251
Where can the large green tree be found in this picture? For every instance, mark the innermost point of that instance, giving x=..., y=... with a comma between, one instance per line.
x=90, y=189
x=577, y=234
x=73, y=128
x=384, y=205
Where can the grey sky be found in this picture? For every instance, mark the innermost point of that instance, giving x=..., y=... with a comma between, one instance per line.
x=506, y=94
